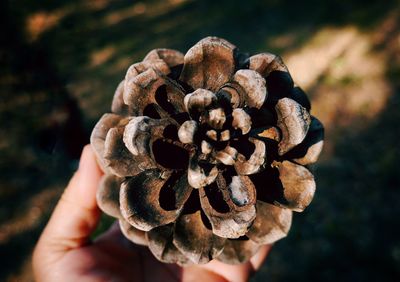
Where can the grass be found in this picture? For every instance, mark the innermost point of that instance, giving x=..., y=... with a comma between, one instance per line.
x=60, y=62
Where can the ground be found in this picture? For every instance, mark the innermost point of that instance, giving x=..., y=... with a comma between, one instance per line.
x=60, y=62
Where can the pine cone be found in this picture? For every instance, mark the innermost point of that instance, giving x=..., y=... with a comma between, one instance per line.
x=205, y=154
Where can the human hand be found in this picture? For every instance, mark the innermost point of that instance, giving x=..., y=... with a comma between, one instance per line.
x=64, y=251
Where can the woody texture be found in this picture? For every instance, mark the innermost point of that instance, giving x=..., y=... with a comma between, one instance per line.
x=207, y=154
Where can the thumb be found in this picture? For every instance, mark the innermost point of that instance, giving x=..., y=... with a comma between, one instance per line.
x=76, y=214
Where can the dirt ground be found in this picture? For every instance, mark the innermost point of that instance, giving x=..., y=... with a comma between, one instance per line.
x=60, y=62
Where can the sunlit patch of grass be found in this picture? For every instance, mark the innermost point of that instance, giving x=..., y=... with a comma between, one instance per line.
x=283, y=41
x=116, y=17
x=96, y=5
x=42, y=21
x=316, y=56
x=99, y=57
x=345, y=77
x=342, y=81
x=147, y=10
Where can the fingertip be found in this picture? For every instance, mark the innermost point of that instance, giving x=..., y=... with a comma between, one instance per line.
x=77, y=214
x=83, y=185
x=88, y=163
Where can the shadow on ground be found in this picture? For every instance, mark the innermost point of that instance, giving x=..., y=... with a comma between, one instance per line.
x=61, y=61
x=351, y=231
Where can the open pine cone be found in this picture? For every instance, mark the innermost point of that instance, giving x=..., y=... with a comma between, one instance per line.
x=205, y=154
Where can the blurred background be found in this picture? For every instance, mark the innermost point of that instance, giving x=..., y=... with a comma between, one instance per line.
x=60, y=62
